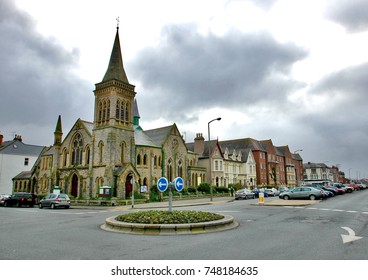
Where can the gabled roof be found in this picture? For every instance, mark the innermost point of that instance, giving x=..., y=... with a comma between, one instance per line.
x=142, y=139
x=268, y=145
x=159, y=135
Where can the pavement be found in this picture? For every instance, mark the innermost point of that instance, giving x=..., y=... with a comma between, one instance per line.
x=206, y=201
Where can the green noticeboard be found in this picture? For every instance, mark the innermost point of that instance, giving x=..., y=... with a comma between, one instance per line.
x=105, y=191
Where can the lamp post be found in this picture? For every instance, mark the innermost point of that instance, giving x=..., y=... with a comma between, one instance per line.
x=209, y=156
x=296, y=171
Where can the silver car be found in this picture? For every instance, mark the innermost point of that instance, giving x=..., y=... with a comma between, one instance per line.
x=55, y=200
x=302, y=193
x=244, y=194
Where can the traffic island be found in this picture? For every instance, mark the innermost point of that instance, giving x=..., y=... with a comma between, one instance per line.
x=226, y=223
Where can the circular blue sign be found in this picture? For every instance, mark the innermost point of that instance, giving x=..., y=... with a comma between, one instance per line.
x=162, y=184
x=179, y=184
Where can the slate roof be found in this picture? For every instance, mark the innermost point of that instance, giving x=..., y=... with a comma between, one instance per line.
x=115, y=70
x=16, y=147
x=159, y=135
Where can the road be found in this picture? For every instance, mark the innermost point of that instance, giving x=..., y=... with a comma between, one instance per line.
x=264, y=233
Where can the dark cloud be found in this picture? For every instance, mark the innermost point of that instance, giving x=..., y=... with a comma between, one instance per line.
x=36, y=77
x=190, y=71
x=352, y=14
x=337, y=130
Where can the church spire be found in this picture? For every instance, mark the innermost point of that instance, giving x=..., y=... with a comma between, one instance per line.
x=115, y=70
x=58, y=132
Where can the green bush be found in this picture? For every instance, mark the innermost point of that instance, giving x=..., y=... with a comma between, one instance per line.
x=192, y=189
x=204, y=187
x=222, y=189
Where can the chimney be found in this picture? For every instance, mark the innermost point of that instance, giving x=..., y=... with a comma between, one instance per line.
x=18, y=137
x=1, y=139
x=199, y=144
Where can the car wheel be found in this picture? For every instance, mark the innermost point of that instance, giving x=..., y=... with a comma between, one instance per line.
x=312, y=197
x=6, y=204
x=18, y=204
x=286, y=197
x=40, y=206
x=52, y=206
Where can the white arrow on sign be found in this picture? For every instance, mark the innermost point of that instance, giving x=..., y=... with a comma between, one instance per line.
x=350, y=237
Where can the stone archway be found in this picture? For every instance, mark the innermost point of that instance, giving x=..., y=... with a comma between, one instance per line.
x=128, y=185
x=75, y=183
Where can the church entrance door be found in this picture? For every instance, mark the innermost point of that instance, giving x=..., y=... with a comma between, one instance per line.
x=74, y=191
x=128, y=186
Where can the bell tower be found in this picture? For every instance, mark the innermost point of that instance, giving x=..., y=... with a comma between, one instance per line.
x=113, y=116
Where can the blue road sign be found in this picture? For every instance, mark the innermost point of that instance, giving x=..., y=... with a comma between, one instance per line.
x=179, y=184
x=162, y=184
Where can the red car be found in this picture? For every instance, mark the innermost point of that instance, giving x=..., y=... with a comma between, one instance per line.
x=354, y=186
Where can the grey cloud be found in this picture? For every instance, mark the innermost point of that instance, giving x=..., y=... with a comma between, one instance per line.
x=264, y=4
x=35, y=77
x=352, y=14
x=191, y=71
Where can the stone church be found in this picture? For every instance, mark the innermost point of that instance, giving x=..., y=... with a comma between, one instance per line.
x=113, y=150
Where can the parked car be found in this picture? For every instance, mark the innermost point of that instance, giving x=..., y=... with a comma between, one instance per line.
x=54, y=201
x=244, y=194
x=302, y=193
x=341, y=188
x=284, y=189
x=2, y=198
x=355, y=187
x=257, y=191
x=272, y=192
x=20, y=199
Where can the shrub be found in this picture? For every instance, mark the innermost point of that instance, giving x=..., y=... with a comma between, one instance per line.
x=204, y=187
x=164, y=217
x=221, y=189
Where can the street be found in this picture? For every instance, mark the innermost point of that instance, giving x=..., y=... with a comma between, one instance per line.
x=333, y=229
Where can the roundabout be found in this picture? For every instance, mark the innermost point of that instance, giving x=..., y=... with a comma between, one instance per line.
x=227, y=222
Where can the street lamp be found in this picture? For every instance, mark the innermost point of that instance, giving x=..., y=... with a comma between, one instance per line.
x=209, y=155
x=295, y=169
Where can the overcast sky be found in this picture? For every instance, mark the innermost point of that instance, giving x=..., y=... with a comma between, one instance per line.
x=294, y=71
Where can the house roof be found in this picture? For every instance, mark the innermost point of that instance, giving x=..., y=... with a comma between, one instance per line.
x=17, y=147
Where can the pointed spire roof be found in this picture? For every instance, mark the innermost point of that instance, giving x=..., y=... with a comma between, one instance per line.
x=58, y=125
x=115, y=70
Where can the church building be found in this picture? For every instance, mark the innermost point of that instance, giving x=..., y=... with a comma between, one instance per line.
x=113, y=150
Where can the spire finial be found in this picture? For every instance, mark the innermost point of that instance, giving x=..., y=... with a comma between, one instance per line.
x=117, y=22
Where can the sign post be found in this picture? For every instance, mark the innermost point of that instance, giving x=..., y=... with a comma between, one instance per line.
x=163, y=184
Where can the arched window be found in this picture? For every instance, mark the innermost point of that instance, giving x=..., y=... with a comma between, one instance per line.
x=180, y=168
x=139, y=160
x=77, y=150
x=64, y=162
x=117, y=112
x=100, y=149
x=122, y=154
x=155, y=161
x=169, y=170
x=88, y=153
x=145, y=159
x=127, y=112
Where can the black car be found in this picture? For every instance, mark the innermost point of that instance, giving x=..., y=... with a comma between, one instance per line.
x=20, y=199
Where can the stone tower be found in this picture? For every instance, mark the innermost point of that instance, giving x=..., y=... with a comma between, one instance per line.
x=113, y=132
